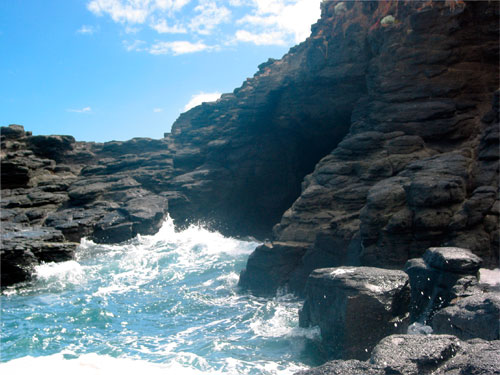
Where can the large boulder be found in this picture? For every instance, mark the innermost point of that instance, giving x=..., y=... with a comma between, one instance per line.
x=338, y=299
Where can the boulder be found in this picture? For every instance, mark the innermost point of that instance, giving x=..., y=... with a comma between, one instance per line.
x=269, y=267
x=453, y=259
x=477, y=316
x=338, y=299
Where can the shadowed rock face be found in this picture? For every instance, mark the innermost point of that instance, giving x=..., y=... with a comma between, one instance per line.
x=240, y=161
x=419, y=166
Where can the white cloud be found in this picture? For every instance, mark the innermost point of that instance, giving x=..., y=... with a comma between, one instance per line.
x=132, y=29
x=260, y=22
x=292, y=18
x=202, y=97
x=157, y=110
x=131, y=11
x=86, y=29
x=261, y=39
x=163, y=28
x=177, y=48
x=209, y=16
x=83, y=110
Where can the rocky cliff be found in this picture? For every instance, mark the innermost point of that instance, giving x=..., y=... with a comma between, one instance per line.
x=418, y=166
x=56, y=191
x=369, y=142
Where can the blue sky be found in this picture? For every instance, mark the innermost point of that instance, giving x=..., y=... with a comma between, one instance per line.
x=104, y=70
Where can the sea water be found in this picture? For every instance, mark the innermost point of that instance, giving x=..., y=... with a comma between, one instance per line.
x=162, y=304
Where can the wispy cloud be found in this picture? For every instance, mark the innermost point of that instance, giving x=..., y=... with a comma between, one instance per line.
x=270, y=38
x=162, y=27
x=202, y=97
x=211, y=22
x=83, y=110
x=136, y=45
x=87, y=30
x=209, y=16
x=177, y=48
x=157, y=110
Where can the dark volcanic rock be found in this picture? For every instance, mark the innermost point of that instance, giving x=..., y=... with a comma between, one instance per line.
x=443, y=275
x=269, y=267
x=338, y=299
x=477, y=316
x=453, y=259
x=109, y=192
x=23, y=249
x=419, y=165
x=240, y=161
x=418, y=354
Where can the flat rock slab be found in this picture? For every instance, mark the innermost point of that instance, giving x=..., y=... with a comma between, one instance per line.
x=453, y=259
x=338, y=299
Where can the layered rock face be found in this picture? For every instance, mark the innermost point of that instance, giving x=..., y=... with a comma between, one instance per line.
x=56, y=191
x=419, y=166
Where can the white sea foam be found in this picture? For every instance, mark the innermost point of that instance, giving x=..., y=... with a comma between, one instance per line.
x=95, y=364
x=165, y=303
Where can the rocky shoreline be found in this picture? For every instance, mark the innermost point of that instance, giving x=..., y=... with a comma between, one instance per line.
x=367, y=158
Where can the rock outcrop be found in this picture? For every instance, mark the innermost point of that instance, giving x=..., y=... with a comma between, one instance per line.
x=420, y=354
x=355, y=307
x=56, y=191
x=419, y=165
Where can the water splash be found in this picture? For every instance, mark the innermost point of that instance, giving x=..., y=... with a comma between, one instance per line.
x=156, y=303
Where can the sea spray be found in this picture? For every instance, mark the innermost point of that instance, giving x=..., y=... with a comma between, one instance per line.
x=155, y=303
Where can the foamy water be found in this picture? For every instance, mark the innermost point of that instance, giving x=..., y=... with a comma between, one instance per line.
x=166, y=303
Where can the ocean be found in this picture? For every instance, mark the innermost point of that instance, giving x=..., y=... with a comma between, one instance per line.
x=161, y=304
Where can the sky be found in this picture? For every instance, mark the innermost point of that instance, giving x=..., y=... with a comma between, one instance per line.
x=104, y=70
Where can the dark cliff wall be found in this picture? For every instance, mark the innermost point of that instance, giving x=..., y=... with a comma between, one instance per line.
x=419, y=166
x=240, y=161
